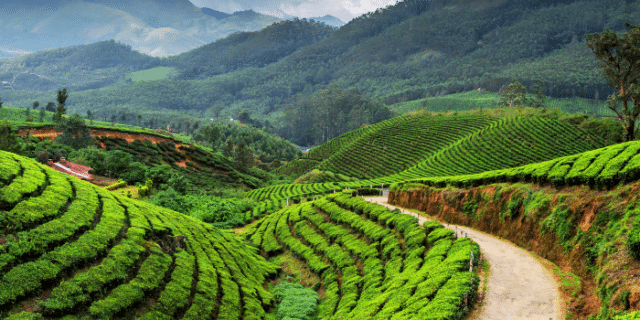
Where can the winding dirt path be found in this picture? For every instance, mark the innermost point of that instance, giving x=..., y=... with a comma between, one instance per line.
x=519, y=287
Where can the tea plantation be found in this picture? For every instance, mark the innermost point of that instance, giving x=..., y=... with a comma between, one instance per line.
x=68, y=248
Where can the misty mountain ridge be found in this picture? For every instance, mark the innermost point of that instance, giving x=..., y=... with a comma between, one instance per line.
x=154, y=27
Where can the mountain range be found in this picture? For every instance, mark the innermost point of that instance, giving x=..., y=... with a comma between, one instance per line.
x=154, y=27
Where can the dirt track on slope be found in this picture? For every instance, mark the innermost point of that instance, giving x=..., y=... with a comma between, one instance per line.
x=519, y=287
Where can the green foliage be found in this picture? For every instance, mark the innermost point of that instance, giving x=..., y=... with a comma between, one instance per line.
x=330, y=113
x=121, y=183
x=10, y=141
x=75, y=133
x=618, y=58
x=633, y=242
x=117, y=162
x=222, y=213
x=514, y=95
x=295, y=301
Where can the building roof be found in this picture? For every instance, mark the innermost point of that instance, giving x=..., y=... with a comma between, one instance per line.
x=75, y=169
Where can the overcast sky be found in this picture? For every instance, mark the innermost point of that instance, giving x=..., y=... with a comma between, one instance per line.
x=345, y=10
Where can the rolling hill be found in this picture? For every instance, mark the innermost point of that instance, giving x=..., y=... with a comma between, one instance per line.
x=108, y=256
x=421, y=144
x=408, y=51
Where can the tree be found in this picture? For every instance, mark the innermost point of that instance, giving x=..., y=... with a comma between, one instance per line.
x=90, y=116
x=244, y=158
x=27, y=113
x=139, y=119
x=113, y=120
x=51, y=107
x=514, y=95
x=216, y=111
x=211, y=133
x=75, y=133
x=227, y=150
x=117, y=161
x=537, y=91
x=10, y=141
x=41, y=115
x=0, y=102
x=620, y=62
x=61, y=110
x=36, y=104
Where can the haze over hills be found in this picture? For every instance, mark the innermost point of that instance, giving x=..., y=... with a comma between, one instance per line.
x=404, y=52
x=157, y=28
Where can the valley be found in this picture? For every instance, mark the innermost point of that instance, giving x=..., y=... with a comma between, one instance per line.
x=432, y=159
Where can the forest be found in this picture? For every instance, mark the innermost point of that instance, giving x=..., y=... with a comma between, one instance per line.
x=407, y=51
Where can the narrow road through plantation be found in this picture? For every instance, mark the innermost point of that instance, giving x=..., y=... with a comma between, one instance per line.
x=519, y=287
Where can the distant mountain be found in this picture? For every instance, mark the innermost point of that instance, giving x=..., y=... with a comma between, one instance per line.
x=329, y=20
x=248, y=49
x=216, y=14
x=154, y=27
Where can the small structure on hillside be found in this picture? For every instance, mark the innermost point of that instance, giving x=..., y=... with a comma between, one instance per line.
x=71, y=168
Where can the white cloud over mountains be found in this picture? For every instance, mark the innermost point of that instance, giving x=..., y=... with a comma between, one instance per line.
x=345, y=10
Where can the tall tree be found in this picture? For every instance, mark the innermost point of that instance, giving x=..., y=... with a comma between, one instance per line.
x=620, y=62
x=75, y=133
x=61, y=110
x=36, y=104
x=243, y=157
x=211, y=133
x=41, y=116
x=0, y=102
x=514, y=95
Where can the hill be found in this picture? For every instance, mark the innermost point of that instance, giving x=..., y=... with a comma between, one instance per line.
x=83, y=67
x=248, y=49
x=109, y=256
x=408, y=51
x=423, y=144
x=153, y=27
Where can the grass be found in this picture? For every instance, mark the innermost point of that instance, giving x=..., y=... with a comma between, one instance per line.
x=158, y=73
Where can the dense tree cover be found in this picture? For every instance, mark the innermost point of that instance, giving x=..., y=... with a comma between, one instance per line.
x=75, y=133
x=406, y=51
x=620, y=62
x=330, y=113
x=265, y=146
x=249, y=49
x=223, y=213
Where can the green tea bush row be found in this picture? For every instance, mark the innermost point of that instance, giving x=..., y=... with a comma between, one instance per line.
x=28, y=277
x=10, y=168
x=32, y=179
x=37, y=209
x=149, y=276
x=295, y=301
x=77, y=218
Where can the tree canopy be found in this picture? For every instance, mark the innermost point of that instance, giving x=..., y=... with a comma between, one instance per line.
x=620, y=62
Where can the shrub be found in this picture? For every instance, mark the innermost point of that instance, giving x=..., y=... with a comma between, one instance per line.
x=633, y=242
x=295, y=301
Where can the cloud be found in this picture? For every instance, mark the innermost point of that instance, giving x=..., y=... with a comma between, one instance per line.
x=345, y=10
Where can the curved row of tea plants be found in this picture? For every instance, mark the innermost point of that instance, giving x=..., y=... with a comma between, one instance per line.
x=507, y=143
x=316, y=155
x=294, y=192
x=600, y=169
x=69, y=248
x=374, y=263
x=394, y=148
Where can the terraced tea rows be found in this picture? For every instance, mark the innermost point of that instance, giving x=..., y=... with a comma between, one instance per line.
x=601, y=168
x=70, y=248
x=393, y=148
x=374, y=263
x=291, y=191
x=315, y=156
x=507, y=143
